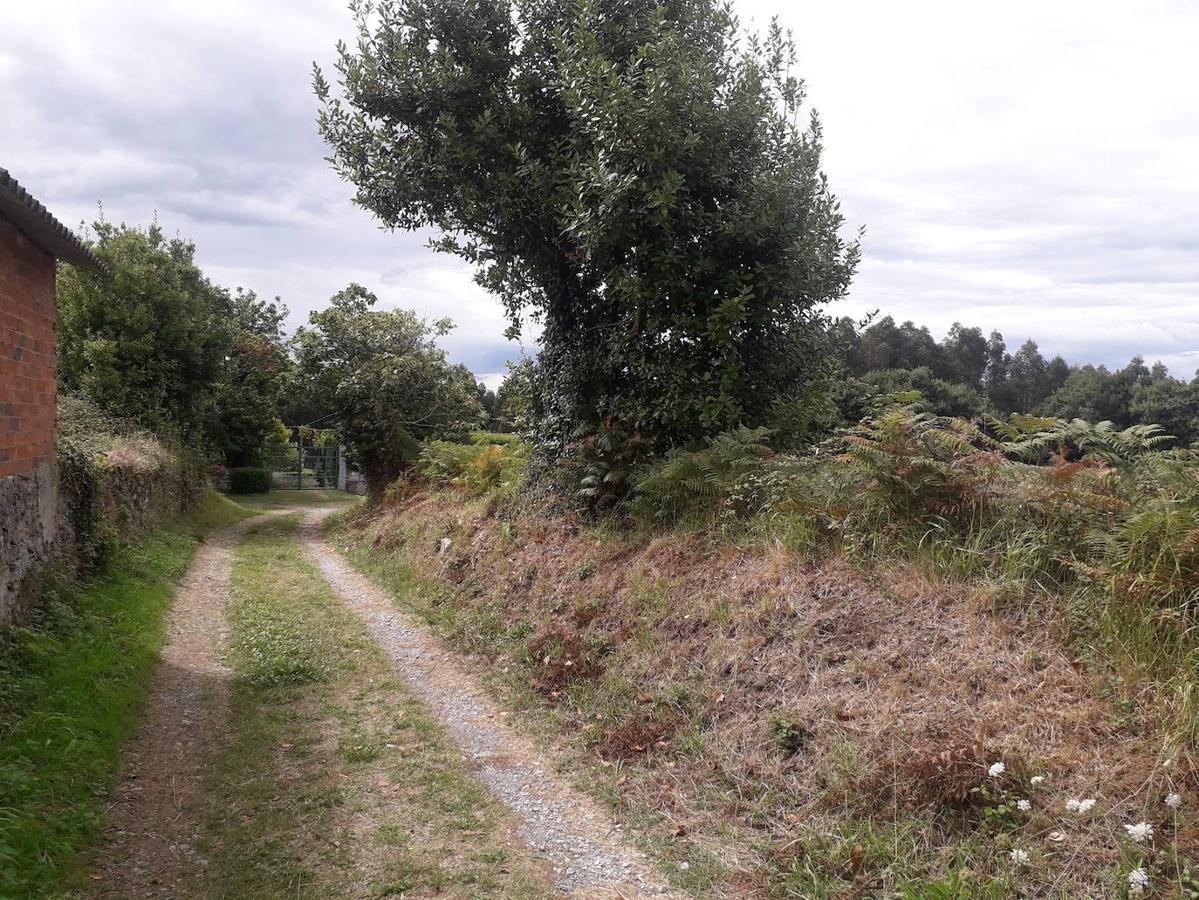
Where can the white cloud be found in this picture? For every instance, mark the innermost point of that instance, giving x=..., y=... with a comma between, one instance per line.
x=1026, y=166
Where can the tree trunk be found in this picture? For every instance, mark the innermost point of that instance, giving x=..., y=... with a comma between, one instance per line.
x=379, y=475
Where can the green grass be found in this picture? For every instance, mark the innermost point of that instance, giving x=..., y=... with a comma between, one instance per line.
x=72, y=682
x=287, y=499
x=333, y=779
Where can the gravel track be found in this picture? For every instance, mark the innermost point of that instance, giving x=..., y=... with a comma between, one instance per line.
x=578, y=838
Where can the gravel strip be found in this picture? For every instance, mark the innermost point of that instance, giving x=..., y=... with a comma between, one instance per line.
x=569, y=829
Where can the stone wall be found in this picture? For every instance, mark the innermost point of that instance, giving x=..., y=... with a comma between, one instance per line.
x=29, y=530
x=28, y=471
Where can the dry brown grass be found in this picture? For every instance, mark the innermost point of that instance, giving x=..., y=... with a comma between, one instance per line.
x=136, y=453
x=905, y=689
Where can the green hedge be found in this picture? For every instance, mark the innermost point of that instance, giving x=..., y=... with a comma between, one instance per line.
x=248, y=480
x=118, y=480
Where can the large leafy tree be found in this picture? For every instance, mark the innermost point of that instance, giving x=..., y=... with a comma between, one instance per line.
x=1027, y=382
x=1170, y=403
x=633, y=173
x=885, y=345
x=965, y=356
x=255, y=365
x=158, y=342
x=148, y=341
x=388, y=384
x=1092, y=393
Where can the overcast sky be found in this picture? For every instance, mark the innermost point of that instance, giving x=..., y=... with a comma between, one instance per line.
x=1026, y=166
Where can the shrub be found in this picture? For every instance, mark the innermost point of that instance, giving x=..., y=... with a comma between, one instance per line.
x=689, y=487
x=249, y=480
x=80, y=480
x=492, y=437
x=603, y=466
x=278, y=452
x=1152, y=554
x=1038, y=440
x=480, y=467
x=446, y=461
x=117, y=479
x=912, y=464
x=790, y=735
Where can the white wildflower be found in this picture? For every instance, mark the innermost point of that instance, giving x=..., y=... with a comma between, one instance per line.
x=1018, y=857
x=1138, y=880
x=1139, y=832
x=1080, y=806
x=1037, y=780
x=1023, y=805
x=1174, y=801
x=996, y=769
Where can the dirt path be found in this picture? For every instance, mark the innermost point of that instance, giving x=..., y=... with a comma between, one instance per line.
x=150, y=848
x=150, y=842
x=333, y=779
x=578, y=838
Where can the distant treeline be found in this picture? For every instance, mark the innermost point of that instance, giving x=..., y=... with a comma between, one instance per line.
x=968, y=373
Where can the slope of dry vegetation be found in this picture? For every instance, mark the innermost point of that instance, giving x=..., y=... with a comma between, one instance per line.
x=785, y=726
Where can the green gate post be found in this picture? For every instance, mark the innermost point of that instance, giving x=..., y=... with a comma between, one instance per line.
x=300, y=464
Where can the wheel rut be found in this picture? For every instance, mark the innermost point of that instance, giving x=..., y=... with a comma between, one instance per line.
x=153, y=822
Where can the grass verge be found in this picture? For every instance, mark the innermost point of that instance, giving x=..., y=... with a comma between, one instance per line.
x=484, y=632
x=333, y=779
x=286, y=499
x=72, y=682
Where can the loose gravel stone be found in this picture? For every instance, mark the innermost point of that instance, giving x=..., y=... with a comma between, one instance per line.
x=578, y=839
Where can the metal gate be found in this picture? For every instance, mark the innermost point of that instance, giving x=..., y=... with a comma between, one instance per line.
x=314, y=462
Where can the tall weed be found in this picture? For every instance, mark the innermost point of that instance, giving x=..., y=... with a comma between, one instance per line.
x=480, y=467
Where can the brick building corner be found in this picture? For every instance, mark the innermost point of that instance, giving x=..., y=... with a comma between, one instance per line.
x=31, y=242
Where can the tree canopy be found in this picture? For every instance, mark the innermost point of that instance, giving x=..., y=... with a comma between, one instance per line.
x=149, y=340
x=965, y=374
x=388, y=383
x=632, y=174
x=256, y=364
x=158, y=342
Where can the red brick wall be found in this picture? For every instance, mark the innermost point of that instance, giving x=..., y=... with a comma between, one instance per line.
x=27, y=353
